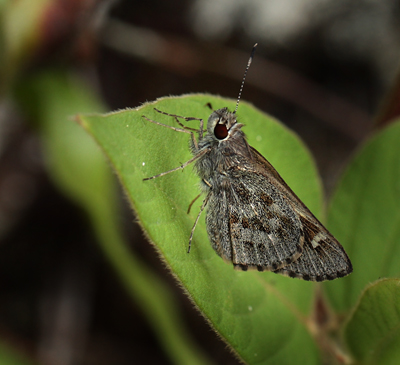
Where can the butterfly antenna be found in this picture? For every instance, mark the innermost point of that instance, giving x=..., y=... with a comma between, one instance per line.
x=244, y=76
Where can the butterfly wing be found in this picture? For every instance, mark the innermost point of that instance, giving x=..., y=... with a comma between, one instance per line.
x=250, y=223
x=256, y=221
x=323, y=257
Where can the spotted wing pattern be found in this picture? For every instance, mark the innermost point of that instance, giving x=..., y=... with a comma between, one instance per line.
x=258, y=222
x=246, y=227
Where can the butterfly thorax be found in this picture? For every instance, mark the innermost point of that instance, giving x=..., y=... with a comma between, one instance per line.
x=227, y=148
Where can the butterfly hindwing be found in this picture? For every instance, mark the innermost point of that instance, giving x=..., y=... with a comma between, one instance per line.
x=323, y=257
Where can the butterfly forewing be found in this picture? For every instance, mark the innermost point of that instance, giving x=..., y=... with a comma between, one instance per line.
x=323, y=257
x=245, y=226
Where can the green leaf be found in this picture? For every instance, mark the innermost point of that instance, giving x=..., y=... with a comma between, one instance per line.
x=373, y=331
x=262, y=316
x=365, y=216
x=80, y=171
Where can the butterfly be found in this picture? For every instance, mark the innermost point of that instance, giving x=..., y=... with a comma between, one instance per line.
x=254, y=220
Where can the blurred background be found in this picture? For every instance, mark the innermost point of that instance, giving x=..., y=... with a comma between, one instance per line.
x=327, y=69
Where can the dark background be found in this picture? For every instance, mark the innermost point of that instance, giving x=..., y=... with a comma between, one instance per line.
x=322, y=68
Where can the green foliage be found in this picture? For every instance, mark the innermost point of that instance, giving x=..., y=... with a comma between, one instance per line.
x=373, y=331
x=365, y=216
x=248, y=309
x=265, y=318
x=80, y=171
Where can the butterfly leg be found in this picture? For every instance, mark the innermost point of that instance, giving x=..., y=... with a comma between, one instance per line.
x=192, y=202
x=177, y=120
x=198, y=196
x=183, y=130
x=187, y=119
x=205, y=201
x=181, y=167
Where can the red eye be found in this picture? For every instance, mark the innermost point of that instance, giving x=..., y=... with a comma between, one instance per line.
x=220, y=131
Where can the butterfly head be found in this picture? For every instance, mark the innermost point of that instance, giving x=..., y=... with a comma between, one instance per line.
x=222, y=124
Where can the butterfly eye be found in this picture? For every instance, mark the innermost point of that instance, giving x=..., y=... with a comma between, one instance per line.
x=220, y=131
